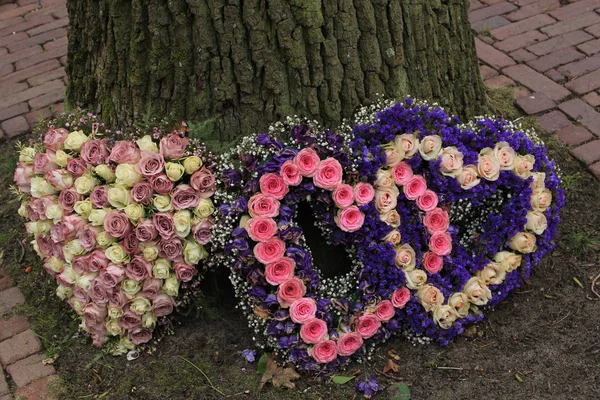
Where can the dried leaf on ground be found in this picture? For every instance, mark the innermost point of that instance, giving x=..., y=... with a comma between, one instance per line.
x=390, y=365
x=278, y=376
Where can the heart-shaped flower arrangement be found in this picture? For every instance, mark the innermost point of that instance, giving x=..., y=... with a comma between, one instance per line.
x=438, y=218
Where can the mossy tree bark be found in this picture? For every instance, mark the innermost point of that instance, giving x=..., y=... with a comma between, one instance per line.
x=247, y=63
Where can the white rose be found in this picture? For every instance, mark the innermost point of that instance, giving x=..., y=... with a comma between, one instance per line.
x=22, y=211
x=85, y=281
x=96, y=216
x=117, y=254
x=75, y=140
x=431, y=147
x=115, y=312
x=113, y=328
x=40, y=187
x=72, y=249
x=54, y=212
x=536, y=222
x=118, y=197
x=105, y=173
x=161, y=268
x=174, y=171
x=104, y=240
x=508, y=261
x=445, y=316
x=27, y=155
x=171, y=286
x=130, y=287
x=140, y=305
x=135, y=212
x=64, y=292
x=85, y=184
x=193, y=252
x=149, y=320
x=477, y=291
x=146, y=144
x=56, y=264
x=192, y=164
x=61, y=158
x=204, y=208
x=126, y=175
x=149, y=250
x=182, y=220
x=83, y=208
x=162, y=203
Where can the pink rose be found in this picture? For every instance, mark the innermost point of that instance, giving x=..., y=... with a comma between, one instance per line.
x=116, y=224
x=130, y=244
x=290, y=291
x=99, y=196
x=488, y=165
x=307, y=161
x=505, y=155
x=385, y=311
x=202, y=231
x=400, y=297
x=405, y=256
x=364, y=193
x=43, y=164
x=98, y=292
x=151, y=288
x=117, y=298
x=138, y=269
x=80, y=264
x=139, y=335
x=368, y=325
x=94, y=152
x=141, y=193
x=432, y=262
x=130, y=319
x=164, y=224
x=161, y=184
x=324, y=352
x=261, y=205
x=440, y=243
x=428, y=200
x=313, y=331
x=436, y=220
x=452, y=161
x=55, y=138
x=290, y=173
x=273, y=185
x=67, y=199
x=349, y=343
x=162, y=305
x=468, y=177
x=58, y=178
x=415, y=187
x=22, y=177
x=280, y=271
x=184, y=197
x=402, y=173
x=71, y=224
x=269, y=251
x=150, y=164
x=343, y=195
x=145, y=231
x=95, y=313
x=124, y=152
x=204, y=182
x=112, y=276
x=98, y=260
x=45, y=245
x=303, y=310
x=261, y=229
x=76, y=167
x=87, y=237
x=350, y=219
x=386, y=199
x=329, y=174
x=171, y=249
x=173, y=146
x=184, y=272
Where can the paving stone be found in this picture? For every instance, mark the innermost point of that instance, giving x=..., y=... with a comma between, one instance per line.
x=14, y=88
x=6, y=7
x=15, y=126
x=519, y=41
x=487, y=72
x=582, y=67
x=6, y=397
x=27, y=24
x=20, y=54
x=532, y=9
x=520, y=91
x=5, y=280
x=593, y=30
x=559, y=42
x=587, y=153
x=524, y=25
x=591, y=47
x=552, y=121
x=593, y=99
x=490, y=23
x=37, y=390
x=555, y=59
x=27, y=73
x=47, y=76
x=34, y=117
x=18, y=347
x=582, y=112
x=38, y=39
x=522, y=55
x=535, y=103
x=570, y=25
x=61, y=41
x=585, y=83
x=491, y=11
x=475, y=4
x=13, y=111
x=29, y=369
x=60, y=23
x=10, y=297
x=11, y=326
x=486, y=39
x=492, y=56
x=31, y=93
x=6, y=69
x=575, y=9
x=47, y=99
x=41, y=57
x=491, y=2
x=536, y=81
x=499, y=81
x=574, y=135
x=595, y=169
x=18, y=11
x=555, y=75
x=11, y=22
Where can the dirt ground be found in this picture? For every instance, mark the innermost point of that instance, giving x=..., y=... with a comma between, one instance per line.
x=542, y=343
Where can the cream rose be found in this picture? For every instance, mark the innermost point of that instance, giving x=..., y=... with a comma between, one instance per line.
x=85, y=183
x=536, y=222
x=430, y=297
x=174, y=171
x=41, y=187
x=461, y=304
x=505, y=155
x=61, y=158
x=445, y=316
x=488, y=165
x=384, y=179
x=27, y=154
x=64, y=292
x=140, y=305
x=492, y=274
x=431, y=147
x=541, y=199
x=407, y=144
x=54, y=212
x=204, y=208
x=162, y=202
x=508, y=261
x=171, y=286
x=96, y=216
x=149, y=250
x=118, y=196
x=161, y=268
x=115, y=312
x=75, y=140
x=523, y=242
x=477, y=291
x=539, y=180
x=415, y=278
x=452, y=161
x=131, y=287
x=182, y=220
x=192, y=164
x=126, y=175
x=523, y=165
x=392, y=218
x=55, y=264
x=135, y=212
x=113, y=328
x=83, y=208
x=116, y=254
x=193, y=252
x=405, y=257
x=468, y=177
x=394, y=237
x=104, y=172
x=104, y=240
x=146, y=144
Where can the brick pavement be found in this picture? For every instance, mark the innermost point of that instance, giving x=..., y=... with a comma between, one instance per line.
x=552, y=48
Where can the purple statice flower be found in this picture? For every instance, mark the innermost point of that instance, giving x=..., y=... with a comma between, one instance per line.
x=368, y=387
x=249, y=355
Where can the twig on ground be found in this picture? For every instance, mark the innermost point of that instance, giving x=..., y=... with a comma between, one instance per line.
x=594, y=284
x=453, y=368
x=22, y=251
x=205, y=376
x=389, y=376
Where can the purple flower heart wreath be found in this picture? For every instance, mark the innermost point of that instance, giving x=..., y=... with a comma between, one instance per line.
x=437, y=218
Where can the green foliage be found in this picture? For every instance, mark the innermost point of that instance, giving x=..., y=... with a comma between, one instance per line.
x=399, y=391
x=581, y=243
x=340, y=380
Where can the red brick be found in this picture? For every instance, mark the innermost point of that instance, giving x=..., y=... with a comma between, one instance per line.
x=29, y=369
x=487, y=72
x=571, y=25
x=490, y=23
x=47, y=99
x=499, y=81
x=535, y=103
x=595, y=169
x=532, y=9
x=48, y=27
x=25, y=2
x=3, y=51
x=574, y=135
x=574, y=10
x=520, y=91
x=39, y=39
x=6, y=69
x=474, y=5
x=28, y=24
x=594, y=30
x=6, y=7
x=31, y=93
x=63, y=60
x=24, y=53
x=18, y=347
x=14, y=88
x=35, y=116
x=15, y=126
x=582, y=67
x=18, y=11
x=10, y=297
x=12, y=38
x=559, y=42
x=51, y=10
x=536, y=81
x=585, y=83
x=11, y=326
x=5, y=280
x=486, y=39
x=491, y=56
x=37, y=390
x=11, y=22
x=582, y=112
x=491, y=2
x=59, y=42
x=491, y=11
x=38, y=58
x=555, y=75
x=47, y=76
x=552, y=121
x=587, y=153
x=522, y=55
x=519, y=41
x=555, y=59
x=524, y=25
x=591, y=47
x=60, y=12
x=13, y=111
x=593, y=99
x=27, y=73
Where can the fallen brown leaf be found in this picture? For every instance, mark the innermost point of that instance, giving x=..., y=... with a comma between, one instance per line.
x=390, y=365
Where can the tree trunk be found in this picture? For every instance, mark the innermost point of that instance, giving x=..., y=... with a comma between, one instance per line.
x=247, y=63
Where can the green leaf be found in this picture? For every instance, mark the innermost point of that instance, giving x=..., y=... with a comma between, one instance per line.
x=518, y=378
x=578, y=282
x=399, y=391
x=262, y=364
x=340, y=380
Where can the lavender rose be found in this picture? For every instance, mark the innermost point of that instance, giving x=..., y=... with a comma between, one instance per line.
x=141, y=193
x=184, y=197
x=204, y=182
x=162, y=305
